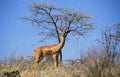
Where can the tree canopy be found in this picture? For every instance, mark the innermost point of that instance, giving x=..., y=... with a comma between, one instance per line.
x=49, y=19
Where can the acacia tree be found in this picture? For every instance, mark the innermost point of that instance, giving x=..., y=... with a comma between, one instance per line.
x=49, y=19
x=111, y=43
x=117, y=36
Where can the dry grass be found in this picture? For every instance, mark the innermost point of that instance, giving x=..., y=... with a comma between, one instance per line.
x=90, y=66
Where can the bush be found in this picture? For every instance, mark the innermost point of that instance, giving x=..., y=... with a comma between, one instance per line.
x=92, y=65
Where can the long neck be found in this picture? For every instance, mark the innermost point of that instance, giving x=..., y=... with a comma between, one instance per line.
x=62, y=42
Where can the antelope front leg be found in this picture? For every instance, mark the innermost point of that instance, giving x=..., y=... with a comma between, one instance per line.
x=55, y=57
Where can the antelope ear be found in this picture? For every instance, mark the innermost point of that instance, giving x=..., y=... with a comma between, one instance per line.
x=60, y=30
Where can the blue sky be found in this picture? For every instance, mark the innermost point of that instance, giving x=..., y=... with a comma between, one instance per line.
x=18, y=37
